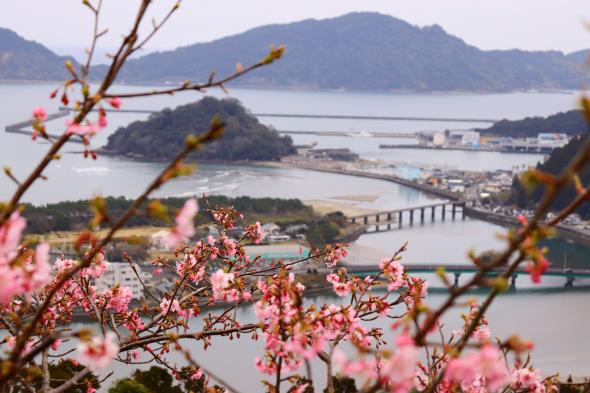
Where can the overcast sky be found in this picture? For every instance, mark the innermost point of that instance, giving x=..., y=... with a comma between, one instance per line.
x=65, y=25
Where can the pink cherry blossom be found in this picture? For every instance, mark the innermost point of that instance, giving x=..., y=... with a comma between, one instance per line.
x=197, y=375
x=115, y=102
x=98, y=267
x=191, y=268
x=102, y=119
x=63, y=265
x=341, y=287
x=97, y=353
x=120, y=297
x=39, y=271
x=485, y=366
x=168, y=307
x=398, y=370
x=56, y=344
x=11, y=342
x=394, y=271
x=537, y=268
x=335, y=254
x=221, y=285
x=185, y=227
x=255, y=232
x=26, y=277
x=87, y=129
x=40, y=114
x=530, y=380
x=10, y=235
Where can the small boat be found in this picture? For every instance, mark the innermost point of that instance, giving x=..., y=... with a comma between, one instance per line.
x=362, y=134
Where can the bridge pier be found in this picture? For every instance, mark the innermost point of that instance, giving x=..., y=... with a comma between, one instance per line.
x=366, y=220
x=412, y=217
x=376, y=227
x=399, y=219
x=389, y=226
x=389, y=216
x=432, y=209
x=444, y=211
x=457, y=275
x=377, y=218
x=422, y=216
x=512, y=287
x=463, y=211
x=454, y=211
x=354, y=220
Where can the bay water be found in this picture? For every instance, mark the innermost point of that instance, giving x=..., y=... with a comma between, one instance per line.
x=557, y=322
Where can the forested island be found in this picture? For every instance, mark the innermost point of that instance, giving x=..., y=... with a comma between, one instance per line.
x=572, y=123
x=163, y=135
x=522, y=196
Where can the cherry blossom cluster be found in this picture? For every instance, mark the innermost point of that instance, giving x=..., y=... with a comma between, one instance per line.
x=537, y=264
x=255, y=233
x=393, y=370
x=225, y=217
x=217, y=270
x=22, y=271
x=185, y=227
x=335, y=254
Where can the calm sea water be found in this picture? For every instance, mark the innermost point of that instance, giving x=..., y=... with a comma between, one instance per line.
x=541, y=317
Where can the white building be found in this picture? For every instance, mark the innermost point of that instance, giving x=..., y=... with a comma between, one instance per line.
x=439, y=139
x=550, y=141
x=470, y=138
x=278, y=238
x=271, y=228
x=456, y=185
x=121, y=273
x=159, y=240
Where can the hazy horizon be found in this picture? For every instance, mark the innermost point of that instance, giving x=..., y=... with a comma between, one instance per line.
x=518, y=24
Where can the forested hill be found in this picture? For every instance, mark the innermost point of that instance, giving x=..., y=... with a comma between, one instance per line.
x=558, y=159
x=163, y=135
x=75, y=215
x=571, y=123
x=363, y=51
x=28, y=60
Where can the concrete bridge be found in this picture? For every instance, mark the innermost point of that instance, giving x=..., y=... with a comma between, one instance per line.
x=387, y=220
x=23, y=126
x=377, y=117
x=353, y=134
x=325, y=116
x=569, y=275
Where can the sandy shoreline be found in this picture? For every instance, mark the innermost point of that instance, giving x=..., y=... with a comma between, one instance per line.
x=325, y=206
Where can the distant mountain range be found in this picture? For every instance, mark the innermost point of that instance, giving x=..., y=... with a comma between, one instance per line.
x=358, y=51
x=21, y=59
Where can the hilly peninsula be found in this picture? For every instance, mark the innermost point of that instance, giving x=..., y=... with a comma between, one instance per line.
x=554, y=164
x=163, y=134
x=21, y=59
x=571, y=122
